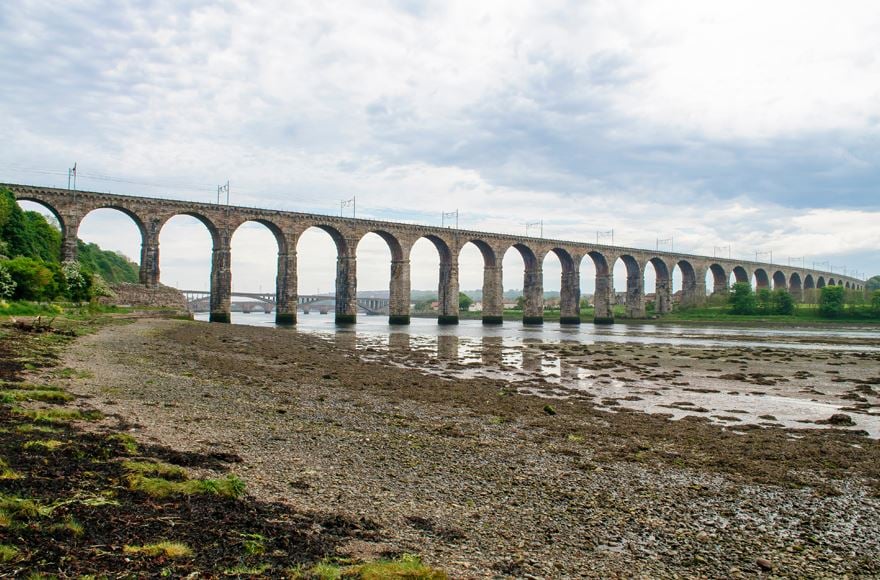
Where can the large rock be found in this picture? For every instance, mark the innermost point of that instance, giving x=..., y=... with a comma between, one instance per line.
x=139, y=295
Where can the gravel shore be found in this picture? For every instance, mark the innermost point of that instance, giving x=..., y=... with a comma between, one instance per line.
x=482, y=481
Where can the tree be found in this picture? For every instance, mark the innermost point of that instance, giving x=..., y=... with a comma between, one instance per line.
x=875, y=303
x=742, y=299
x=34, y=280
x=79, y=281
x=765, y=301
x=873, y=283
x=7, y=284
x=520, y=302
x=783, y=302
x=464, y=301
x=831, y=301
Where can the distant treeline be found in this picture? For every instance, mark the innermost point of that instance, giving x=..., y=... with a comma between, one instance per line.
x=30, y=260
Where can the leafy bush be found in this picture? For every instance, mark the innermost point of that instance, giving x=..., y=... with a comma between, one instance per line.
x=742, y=299
x=7, y=284
x=783, y=302
x=875, y=303
x=34, y=279
x=831, y=301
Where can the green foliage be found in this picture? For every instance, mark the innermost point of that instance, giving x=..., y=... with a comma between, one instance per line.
x=831, y=301
x=742, y=299
x=873, y=283
x=113, y=267
x=464, y=301
x=783, y=302
x=764, y=299
x=7, y=284
x=875, y=303
x=35, y=272
x=520, y=302
x=34, y=279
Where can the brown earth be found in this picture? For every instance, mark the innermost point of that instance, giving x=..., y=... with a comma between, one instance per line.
x=479, y=480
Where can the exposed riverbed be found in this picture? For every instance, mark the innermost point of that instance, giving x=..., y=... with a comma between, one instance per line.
x=790, y=377
x=466, y=466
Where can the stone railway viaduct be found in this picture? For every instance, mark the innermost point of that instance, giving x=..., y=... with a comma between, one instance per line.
x=150, y=214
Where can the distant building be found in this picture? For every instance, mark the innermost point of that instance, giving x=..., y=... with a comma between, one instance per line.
x=476, y=307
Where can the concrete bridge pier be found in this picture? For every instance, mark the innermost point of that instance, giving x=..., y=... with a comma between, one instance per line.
x=602, y=300
x=398, y=292
x=149, y=270
x=346, y=289
x=663, y=300
x=493, y=295
x=448, y=292
x=533, y=292
x=221, y=281
x=570, y=298
x=635, y=296
x=285, y=285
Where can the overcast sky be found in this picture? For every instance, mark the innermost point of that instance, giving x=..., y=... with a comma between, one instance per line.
x=748, y=124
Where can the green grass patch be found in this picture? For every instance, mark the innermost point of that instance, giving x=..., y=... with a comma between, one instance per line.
x=165, y=548
x=406, y=566
x=47, y=445
x=155, y=468
x=159, y=487
x=68, y=526
x=54, y=416
x=242, y=570
x=6, y=473
x=8, y=553
x=126, y=441
x=19, y=507
x=22, y=308
x=44, y=395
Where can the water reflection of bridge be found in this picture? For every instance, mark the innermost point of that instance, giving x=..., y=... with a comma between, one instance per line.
x=200, y=301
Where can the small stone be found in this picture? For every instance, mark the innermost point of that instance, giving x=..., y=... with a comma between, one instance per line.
x=764, y=564
x=703, y=537
x=841, y=419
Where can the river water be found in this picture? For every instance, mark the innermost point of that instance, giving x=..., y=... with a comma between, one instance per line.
x=803, y=383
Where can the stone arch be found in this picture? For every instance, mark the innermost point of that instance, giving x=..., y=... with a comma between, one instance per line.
x=399, y=286
x=62, y=224
x=447, y=287
x=809, y=282
x=779, y=280
x=69, y=227
x=689, y=283
x=719, y=279
x=533, y=283
x=490, y=260
x=796, y=286
x=394, y=245
x=762, y=279
x=569, y=287
x=820, y=282
x=662, y=285
x=135, y=217
x=274, y=229
x=740, y=274
x=492, y=285
x=831, y=282
x=847, y=285
x=604, y=290
x=338, y=237
x=635, y=287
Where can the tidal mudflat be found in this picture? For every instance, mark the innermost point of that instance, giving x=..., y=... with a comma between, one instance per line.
x=538, y=462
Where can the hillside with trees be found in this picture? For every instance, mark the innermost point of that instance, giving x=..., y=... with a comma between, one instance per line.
x=30, y=262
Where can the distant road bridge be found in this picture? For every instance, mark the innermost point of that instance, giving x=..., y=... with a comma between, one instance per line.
x=197, y=299
x=221, y=221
